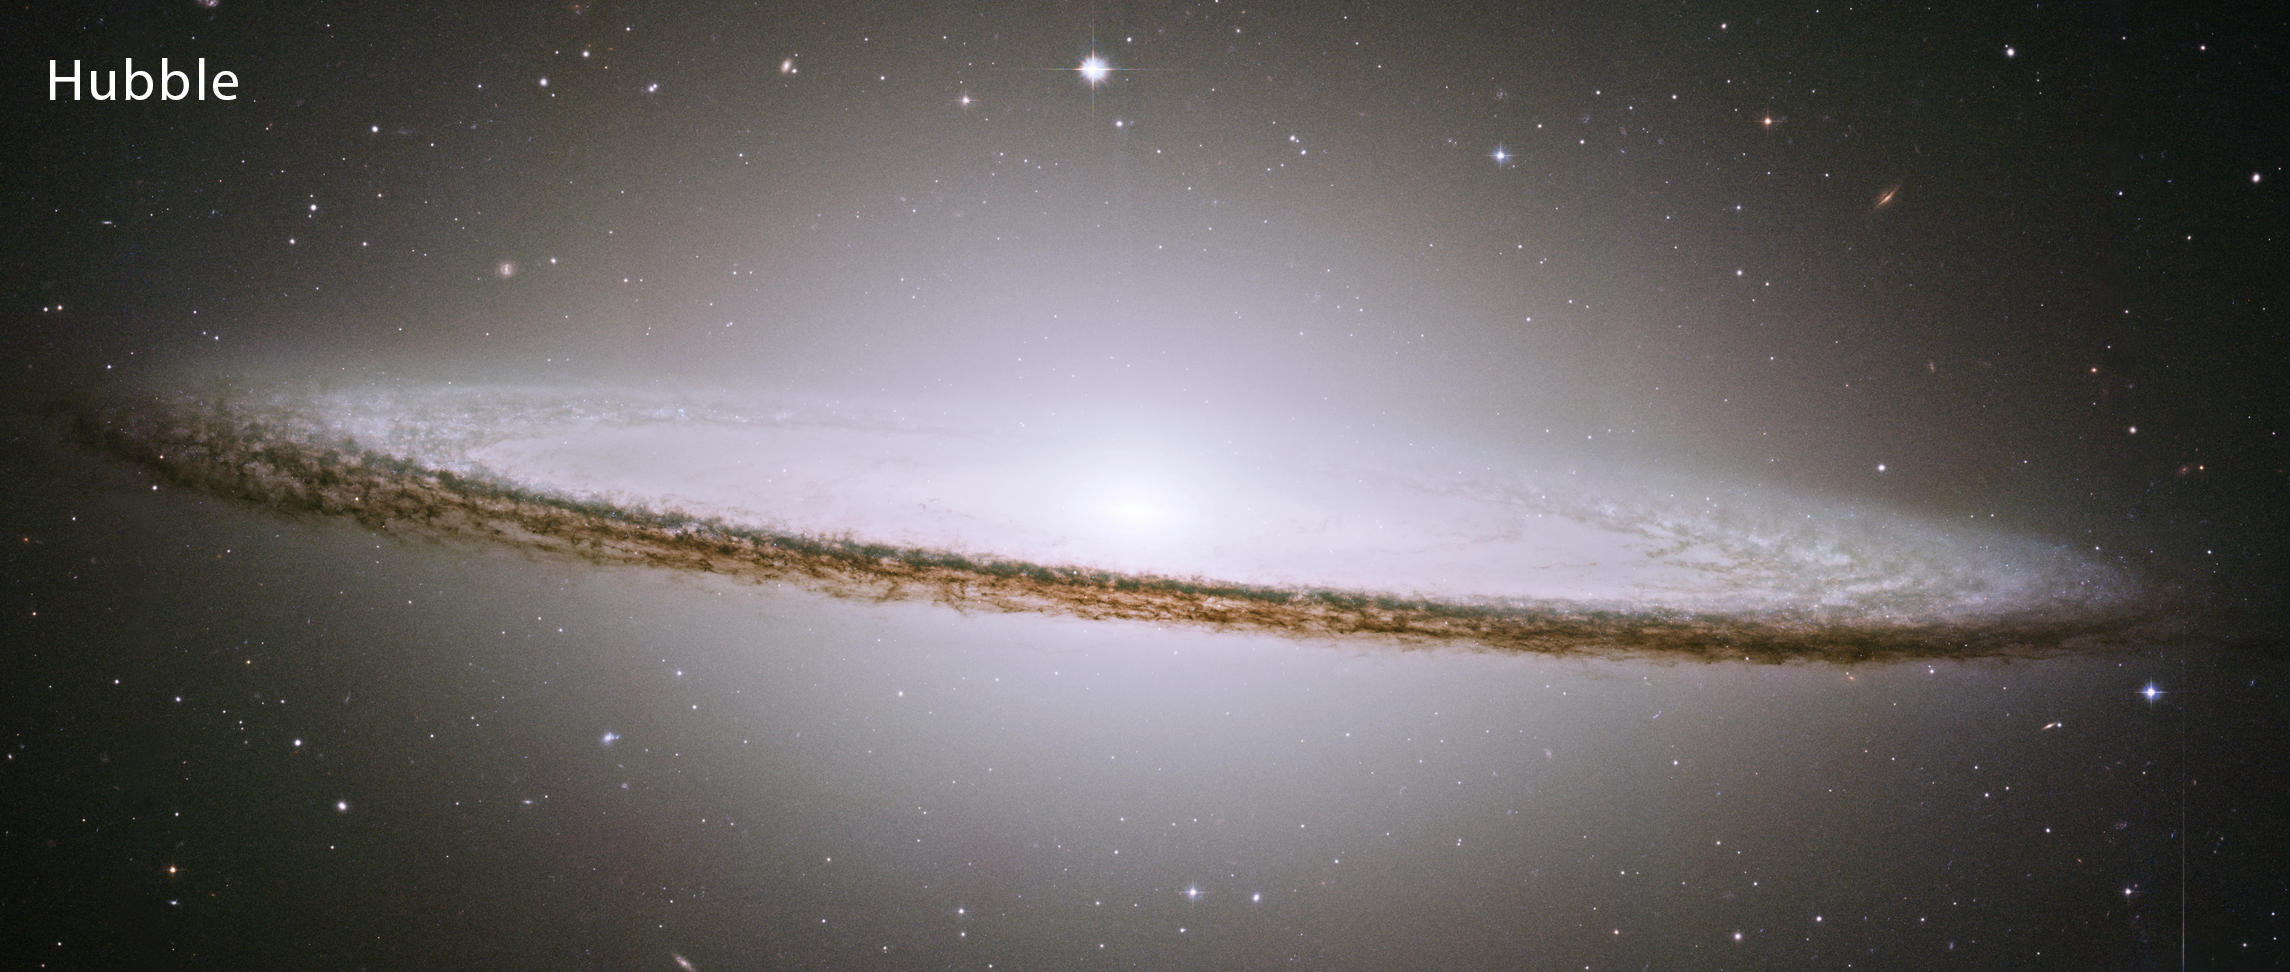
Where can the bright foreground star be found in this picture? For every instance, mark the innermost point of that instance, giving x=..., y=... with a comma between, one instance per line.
x=1094, y=70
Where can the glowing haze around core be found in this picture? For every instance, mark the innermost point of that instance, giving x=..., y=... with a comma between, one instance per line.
x=1299, y=232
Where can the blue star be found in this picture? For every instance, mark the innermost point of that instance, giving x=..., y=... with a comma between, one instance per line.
x=2151, y=692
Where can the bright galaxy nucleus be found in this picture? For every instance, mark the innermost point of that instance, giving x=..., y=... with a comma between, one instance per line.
x=1302, y=536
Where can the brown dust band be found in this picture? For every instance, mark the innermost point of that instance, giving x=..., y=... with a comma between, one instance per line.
x=189, y=444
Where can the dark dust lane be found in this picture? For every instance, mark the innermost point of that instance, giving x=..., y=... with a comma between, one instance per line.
x=300, y=464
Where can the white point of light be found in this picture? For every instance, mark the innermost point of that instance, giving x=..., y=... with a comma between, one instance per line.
x=2009, y=51
x=1501, y=155
x=2152, y=692
x=1094, y=70
x=608, y=738
x=342, y=806
x=787, y=66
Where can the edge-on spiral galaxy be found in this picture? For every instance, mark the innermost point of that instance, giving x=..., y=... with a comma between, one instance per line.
x=1508, y=556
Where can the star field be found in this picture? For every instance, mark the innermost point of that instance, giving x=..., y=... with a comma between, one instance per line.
x=2011, y=266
